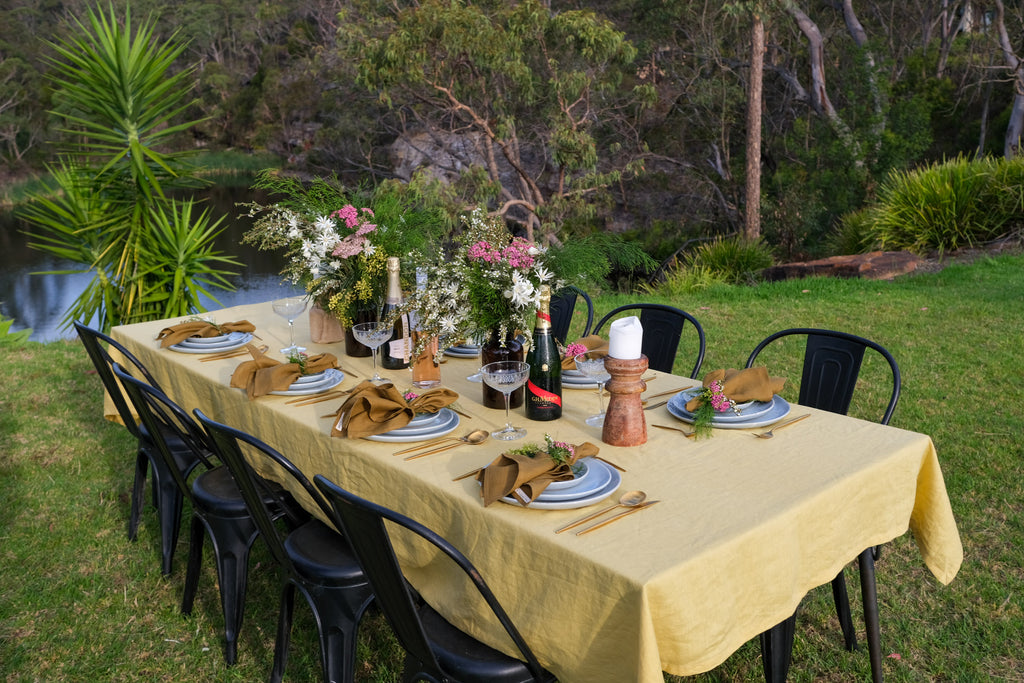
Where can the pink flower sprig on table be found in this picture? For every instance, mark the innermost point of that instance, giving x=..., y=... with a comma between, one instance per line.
x=713, y=400
x=408, y=396
x=575, y=349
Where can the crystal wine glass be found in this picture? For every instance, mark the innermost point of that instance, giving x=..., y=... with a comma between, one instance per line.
x=592, y=365
x=506, y=376
x=290, y=308
x=373, y=335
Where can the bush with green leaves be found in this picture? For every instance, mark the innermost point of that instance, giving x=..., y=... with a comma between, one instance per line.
x=8, y=337
x=736, y=260
x=950, y=205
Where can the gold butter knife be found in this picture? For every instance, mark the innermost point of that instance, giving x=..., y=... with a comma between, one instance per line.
x=611, y=519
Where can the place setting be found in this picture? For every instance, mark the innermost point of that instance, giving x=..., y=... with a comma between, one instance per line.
x=300, y=375
x=201, y=336
x=380, y=412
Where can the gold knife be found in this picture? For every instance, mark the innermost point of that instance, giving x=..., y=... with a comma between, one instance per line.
x=620, y=515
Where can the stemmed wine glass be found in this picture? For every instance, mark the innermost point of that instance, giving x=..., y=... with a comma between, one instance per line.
x=506, y=376
x=290, y=308
x=373, y=335
x=592, y=365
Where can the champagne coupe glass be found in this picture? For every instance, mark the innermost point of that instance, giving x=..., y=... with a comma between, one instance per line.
x=289, y=308
x=506, y=376
x=592, y=365
x=478, y=342
x=373, y=335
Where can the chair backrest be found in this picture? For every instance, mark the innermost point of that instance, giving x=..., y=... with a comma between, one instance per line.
x=362, y=523
x=663, y=328
x=832, y=363
x=164, y=419
x=94, y=341
x=256, y=491
x=563, y=305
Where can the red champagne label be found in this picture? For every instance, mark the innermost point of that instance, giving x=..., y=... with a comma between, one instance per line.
x=544, y=394
x=544, y=316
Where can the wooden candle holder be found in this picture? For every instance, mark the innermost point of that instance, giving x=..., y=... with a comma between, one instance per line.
x=624, y=422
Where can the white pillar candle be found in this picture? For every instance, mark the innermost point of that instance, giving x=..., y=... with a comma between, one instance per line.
x=625, y=336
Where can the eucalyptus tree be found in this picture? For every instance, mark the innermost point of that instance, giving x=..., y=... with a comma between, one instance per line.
x=532, y=103
x=120, y=99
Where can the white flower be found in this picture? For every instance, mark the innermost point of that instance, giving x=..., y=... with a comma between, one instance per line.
x=324, y=224
x=449, y=324
x=368, y=248
x=543, y=274
x=522, y=292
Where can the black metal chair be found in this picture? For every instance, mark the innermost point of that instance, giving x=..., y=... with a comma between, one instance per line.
x=217, y=506
x=313, y=558
x=435, y=650
x=166, y=493
x=563, y=305
x=663, y=328
x=831, y=365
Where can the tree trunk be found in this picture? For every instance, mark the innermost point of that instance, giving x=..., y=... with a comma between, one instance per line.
x=1015, y=127
x=752, y=224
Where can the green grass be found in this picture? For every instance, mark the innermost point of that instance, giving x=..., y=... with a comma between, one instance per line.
x=78, y=602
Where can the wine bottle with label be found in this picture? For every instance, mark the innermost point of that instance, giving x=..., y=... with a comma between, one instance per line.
x=395, y=353
x=544, y=388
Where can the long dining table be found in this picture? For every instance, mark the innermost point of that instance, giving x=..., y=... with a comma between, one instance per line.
x=744, y=527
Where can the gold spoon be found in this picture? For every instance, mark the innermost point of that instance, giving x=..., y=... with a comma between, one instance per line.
x=475, y=437
x=629, y=499
x=436, y=442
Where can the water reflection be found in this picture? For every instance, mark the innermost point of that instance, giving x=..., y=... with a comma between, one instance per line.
x=41, y=301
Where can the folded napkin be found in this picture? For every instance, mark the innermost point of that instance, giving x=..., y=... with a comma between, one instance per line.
x=261, y=375
x=594, y=344
x=749, y=384
x=378, y=408
x=169, y=336
x=526, y=477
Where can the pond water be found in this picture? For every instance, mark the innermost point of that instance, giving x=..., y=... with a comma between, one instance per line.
x=39, y=301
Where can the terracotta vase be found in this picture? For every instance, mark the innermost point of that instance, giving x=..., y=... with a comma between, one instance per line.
x=354, y=347
x=324, y=327
x=494, y=350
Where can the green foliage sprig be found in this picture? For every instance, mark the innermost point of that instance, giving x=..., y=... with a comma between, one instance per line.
x=560, y=452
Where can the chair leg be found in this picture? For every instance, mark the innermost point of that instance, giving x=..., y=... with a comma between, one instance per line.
x=337, y=612
x=169, y=510
x=284, y=632
x=232, y=537
x=195, y=562
x=842, y=600
x=869, y=594
x=138, y=493
x=777, y=650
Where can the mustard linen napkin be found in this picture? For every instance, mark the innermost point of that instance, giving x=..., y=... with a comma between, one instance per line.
x=594, y=344
x=749, y=384
x=375, y=409
x=261, y=375
x=169, y=336
x=525, y=477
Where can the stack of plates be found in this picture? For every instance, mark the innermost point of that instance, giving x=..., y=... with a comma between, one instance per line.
x=313, y=384
x=465, y=350
x=574, y=379
x=751, y=414
x=594, y=482
x=422, y=428
x=223, y=342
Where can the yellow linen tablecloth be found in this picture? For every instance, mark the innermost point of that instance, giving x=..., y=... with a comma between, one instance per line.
x=744, y=528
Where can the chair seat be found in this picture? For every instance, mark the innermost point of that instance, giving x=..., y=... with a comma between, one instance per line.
x=322, y=555
x=474, y=661
x=215, y=491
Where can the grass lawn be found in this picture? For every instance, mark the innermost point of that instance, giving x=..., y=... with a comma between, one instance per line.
x=78, y=602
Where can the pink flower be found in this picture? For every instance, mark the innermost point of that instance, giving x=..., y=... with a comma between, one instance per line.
x=575, y=349
x=408, y=396
x=483, y=251
x=518, y=253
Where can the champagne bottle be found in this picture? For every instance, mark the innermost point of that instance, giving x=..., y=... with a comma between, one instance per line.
x=395, y=353
x=544, y=388
x=426, y=373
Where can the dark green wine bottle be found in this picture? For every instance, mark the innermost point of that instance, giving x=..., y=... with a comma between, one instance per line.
x=544, y=388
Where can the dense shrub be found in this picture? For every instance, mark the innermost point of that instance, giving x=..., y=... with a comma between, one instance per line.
x=735, y=259
x=950, y=205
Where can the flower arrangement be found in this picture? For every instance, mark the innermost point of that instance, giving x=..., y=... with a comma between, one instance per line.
x=713, y=400
x=336, y=244
x=490, y=280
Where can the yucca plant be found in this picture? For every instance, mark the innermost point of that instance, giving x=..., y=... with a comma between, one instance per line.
x=735, y=259
x=120, y=99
